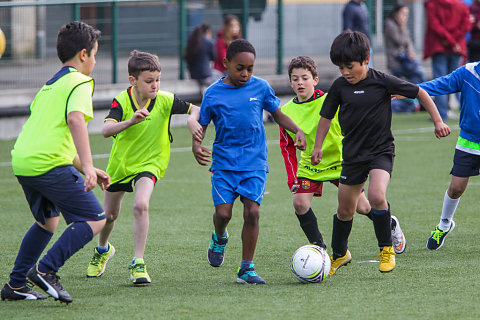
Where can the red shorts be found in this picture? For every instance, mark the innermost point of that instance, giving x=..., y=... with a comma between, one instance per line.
x=311, y=186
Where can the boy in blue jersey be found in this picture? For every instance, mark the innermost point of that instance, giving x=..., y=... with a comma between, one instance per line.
x=47, y=157
x=466, y=161
x=235, y=104
x=139, y=123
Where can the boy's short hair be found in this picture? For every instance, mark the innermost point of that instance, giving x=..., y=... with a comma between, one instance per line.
x=142, y=61
x=238, y=46
x=73, y=37
x=349, y=46
x=303, y=62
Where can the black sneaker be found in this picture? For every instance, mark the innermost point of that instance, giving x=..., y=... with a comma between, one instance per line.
x=49, y=282
x=23, y=293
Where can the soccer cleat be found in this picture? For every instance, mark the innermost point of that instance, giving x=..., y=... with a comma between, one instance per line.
x=387, y=259
x=49, y=282
x=249, y=276
x=23, y=293
x=437, y=237
x=216, y=250
x=139, y=273
x=97, y=265
x=398, y=238
x=337, y=263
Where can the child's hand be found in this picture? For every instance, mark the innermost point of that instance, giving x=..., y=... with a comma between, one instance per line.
x=295, y=186
x=398, y=97
x=139, y=116
x=300, y=141
x=195, y=129
x=316, y=156
x=90, y=177
x=202, y=154
x=441, y=130
x=103, y=179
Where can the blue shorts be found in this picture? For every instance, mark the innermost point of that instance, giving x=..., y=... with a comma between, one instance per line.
x=61, y=190
x=228, y=185
x=465, y=164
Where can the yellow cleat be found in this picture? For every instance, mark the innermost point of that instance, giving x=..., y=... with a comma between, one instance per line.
x=337, y=263
x=387, y=259
x=139, y=273
x=97, y=265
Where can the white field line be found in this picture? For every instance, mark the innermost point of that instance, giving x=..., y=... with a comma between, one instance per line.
x=276, y=142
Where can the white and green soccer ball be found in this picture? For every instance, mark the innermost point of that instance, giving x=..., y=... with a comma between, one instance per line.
x=310, y=264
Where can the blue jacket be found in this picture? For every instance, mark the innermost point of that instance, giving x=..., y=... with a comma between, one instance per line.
x=466, y=80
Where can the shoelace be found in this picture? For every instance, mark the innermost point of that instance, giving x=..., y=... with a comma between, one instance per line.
x=385, y=256
x=437, y=235
x=139, y=267
x=217, y=247
x=55, y=280
x=96, y=258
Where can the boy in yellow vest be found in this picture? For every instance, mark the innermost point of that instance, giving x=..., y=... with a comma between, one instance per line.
x=304, y=179
x=48, y=156
x=139, y=123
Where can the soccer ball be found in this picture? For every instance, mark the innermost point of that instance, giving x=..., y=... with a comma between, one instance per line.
x=310, y=264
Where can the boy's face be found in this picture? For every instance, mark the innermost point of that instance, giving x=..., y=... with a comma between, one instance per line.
x=354, y=72
x=303, y=83
x=89, y=62
x=240, y=69
x=147, y=84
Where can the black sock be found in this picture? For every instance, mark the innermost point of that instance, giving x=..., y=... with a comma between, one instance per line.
x=340, y=234
x=369, y=215
x=308, y=222
x=382, y=226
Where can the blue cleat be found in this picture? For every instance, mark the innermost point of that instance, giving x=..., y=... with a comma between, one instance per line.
x=216, y=250
x=249, y=276
x=437, y=237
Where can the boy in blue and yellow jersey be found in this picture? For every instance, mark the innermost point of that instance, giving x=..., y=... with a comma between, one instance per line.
x=139, y=122
x=466, y=160
x=47, y=157
x=362, y=99
x=304, y=179
x=235, y=104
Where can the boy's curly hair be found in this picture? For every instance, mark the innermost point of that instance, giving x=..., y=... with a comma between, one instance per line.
x=303, y=62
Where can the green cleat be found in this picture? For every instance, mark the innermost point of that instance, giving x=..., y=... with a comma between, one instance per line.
x=139, y=272
x=99, y=261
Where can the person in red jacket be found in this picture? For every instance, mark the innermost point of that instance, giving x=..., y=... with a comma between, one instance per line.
x=231, y=31
x=473, y=45
x=448, y=21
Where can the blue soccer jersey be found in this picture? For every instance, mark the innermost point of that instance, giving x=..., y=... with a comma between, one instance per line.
x=237, y=113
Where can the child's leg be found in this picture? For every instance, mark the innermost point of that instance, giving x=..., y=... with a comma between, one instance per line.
x=363, y=206
x=342, y=222
x=221, y=218
x=308, y=221
x=143, y=191
x=380, y=209
x=251, y=215
x=452, y=198
x=112, y=204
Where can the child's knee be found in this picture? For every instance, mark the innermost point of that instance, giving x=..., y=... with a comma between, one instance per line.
x=140, y=208
x=301, y=206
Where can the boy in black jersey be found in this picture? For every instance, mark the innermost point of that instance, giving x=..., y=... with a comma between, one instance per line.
x=365, y=116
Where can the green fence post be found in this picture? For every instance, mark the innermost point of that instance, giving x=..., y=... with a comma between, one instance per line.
x=114, y=41
x=76, y=12
x=182, y=36
x=279, y=36
x=246, y=13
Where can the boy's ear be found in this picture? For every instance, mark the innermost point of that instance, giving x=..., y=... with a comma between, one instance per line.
x=132, y=80
x=82, y=55
x=225, y=63
x=315, y=81
x=367, y=60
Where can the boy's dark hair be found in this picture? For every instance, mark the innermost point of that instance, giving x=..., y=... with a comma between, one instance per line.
x=303, y=62
x=238, y=46
x=73, y=37
x=142, y=61
x=349, y=46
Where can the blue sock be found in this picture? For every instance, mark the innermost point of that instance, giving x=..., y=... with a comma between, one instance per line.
x=73, y=239
x=101, y=249
x=245, y=264
x=221, y=236
x=33, y=244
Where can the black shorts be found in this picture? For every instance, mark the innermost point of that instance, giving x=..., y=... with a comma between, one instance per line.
x=465, y=164
x=127, y=186
x=357, y=173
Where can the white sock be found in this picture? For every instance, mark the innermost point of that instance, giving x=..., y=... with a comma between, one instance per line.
x=448, y=210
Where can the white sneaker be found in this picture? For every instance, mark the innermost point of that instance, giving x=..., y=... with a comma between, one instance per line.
x=398, y=238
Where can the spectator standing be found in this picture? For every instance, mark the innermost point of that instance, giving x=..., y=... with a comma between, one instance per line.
x=473, y=45
x=448, y=21
x=231, y=30
x=355, y=18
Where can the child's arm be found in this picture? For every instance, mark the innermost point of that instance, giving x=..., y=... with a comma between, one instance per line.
x=322, y=130
x=193, y=125
x=103, y=179
x=78, y=128
x=111, y=128
x=201, y=153
x=441, y=129
x=287, y=123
